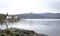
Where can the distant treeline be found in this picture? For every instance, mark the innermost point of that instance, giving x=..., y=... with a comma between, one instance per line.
x=39, y=16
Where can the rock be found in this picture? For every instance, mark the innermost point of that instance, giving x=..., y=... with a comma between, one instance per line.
x=21, y=32
x=26, y=32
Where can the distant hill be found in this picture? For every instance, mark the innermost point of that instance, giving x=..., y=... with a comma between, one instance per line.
x=39, y=16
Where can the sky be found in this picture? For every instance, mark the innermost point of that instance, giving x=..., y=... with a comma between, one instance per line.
x=29, y=6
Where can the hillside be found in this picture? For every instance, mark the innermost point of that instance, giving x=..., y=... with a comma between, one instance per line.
x=39, y=16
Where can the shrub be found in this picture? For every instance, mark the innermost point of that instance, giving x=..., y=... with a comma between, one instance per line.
x=2, y=34
x=17, y=34
x=8, y=31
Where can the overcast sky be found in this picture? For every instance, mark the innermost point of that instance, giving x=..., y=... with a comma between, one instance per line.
x=28, y=6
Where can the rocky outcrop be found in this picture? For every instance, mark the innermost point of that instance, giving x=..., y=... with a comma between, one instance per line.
x=26, y=32
x=19, y=32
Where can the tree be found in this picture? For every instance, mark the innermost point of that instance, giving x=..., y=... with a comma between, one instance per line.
x=2, y=19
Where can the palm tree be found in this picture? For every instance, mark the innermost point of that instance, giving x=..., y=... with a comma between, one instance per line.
x=6, y=20
x=12, y=19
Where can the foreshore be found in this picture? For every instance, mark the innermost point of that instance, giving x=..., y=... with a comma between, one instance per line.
x=19, y=32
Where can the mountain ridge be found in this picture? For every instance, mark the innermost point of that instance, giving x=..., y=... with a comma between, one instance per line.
x=39, y=16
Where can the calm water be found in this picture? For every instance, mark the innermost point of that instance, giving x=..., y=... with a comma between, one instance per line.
x=49, y=27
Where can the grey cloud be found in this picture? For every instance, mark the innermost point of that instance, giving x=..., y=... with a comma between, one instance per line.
x=54, y=5
x=3, y=6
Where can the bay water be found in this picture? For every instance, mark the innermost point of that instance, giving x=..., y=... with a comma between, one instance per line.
x=50, y=27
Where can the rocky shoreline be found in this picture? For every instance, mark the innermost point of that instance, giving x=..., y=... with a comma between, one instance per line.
x=19, y=32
